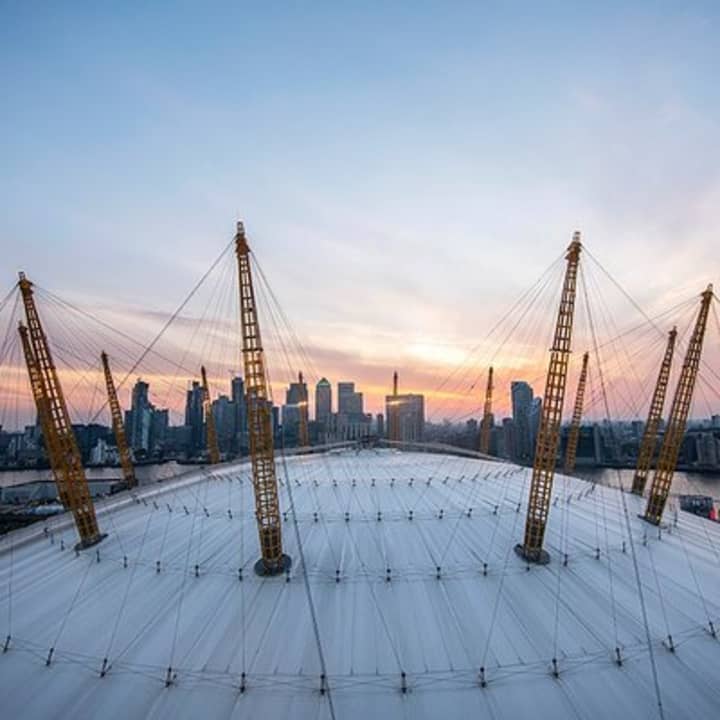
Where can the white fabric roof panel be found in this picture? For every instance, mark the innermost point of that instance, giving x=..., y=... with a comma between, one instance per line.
x=512, y=621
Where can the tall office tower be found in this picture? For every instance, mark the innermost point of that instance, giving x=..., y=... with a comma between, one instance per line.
x=409, y=409
x=237, y=395
x=323, y=401
x=346, y=395
x=140, y=417
x=522, y=403
x=194, y=416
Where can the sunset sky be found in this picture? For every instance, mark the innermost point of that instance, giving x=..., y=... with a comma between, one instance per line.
x=405, y=170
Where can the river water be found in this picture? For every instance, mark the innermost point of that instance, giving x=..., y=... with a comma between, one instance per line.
x=684, y=483
x=146, y=474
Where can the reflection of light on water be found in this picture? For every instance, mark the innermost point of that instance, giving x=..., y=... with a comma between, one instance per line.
x=146, y=474
x=684, y=483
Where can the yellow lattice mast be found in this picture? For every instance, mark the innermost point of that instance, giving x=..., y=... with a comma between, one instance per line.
x=652, y=426
x=210, y=429
x=675, y=432
x=41, y=405
x=393, y=412
x=552, y=408
x=303, y=436
x=62, y=448
x=262, y=453
x=486, y=422
x=574, y=434
x=118, y=427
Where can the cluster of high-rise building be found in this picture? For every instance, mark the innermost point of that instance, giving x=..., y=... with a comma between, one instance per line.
x=349, y=421
x=338, y=415
x=150, y=434
x=152, y=437
x=599, y=443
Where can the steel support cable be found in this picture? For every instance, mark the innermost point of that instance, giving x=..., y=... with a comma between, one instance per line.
x=704, y=363
x=611, y=583
x=504, y=490
x=89, y=562
x=116, y=349
x=243, y=626
x=691, y=566
x=68, y=340
x=521, y=299
x=534, y=334
x=6, y=298
x=203, y=519
x=306, y=360
x=218, y=324
x=11, y=562
x=610, y=323
x=475, y=490
x=306, y=581
x=686, y=303
x=69, y=400
x=196, y=328
x=508, y=554
x=613, y=330
x=148, y=348
x=275, y=308
x=523, y=309
x=651, y=350
x=182, y=592
x=564, y=550
x=9, y=407
x=10, y=334
x=274, y=327
x=626, y=514
x=126, y=594
x=273, y=301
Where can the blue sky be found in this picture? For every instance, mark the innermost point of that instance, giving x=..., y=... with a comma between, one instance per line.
x=404, y=169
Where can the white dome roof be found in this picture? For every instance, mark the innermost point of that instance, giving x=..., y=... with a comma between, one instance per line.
x=438, y=631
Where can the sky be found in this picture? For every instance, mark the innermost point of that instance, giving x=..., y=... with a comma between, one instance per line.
x=405, y=170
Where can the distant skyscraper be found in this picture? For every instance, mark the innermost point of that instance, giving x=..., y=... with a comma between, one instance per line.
x=346, y=392
x=240, y=439
x=410, y=412
x=349, y=401
x=223, y=410
x=140, y=417
x=535, y=417
x=159, y=429
x=522, y=401
x=323, y=401
x=294, y=395
x=194, y=416
x=508, y=439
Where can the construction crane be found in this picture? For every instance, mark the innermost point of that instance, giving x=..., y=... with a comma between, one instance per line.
x=303, y=436
x=652, y=426
x=60, y=442
x=574, y=434
x=210, y=429
x=117, y=423
x=486, y=422
x=262, y=452
x=675, y=432
x=552, y=408
x=393, y=412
